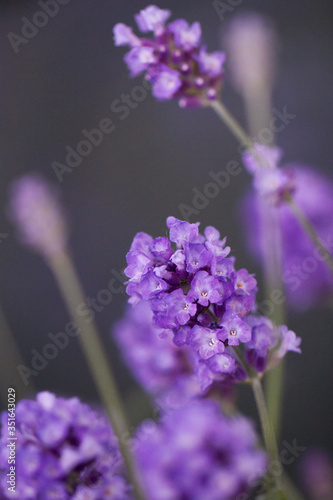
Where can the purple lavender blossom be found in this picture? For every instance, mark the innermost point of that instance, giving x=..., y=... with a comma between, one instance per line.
x=196, y=453
x=198, y=297
x=35, y=209
x=305, y=274
x=64, y=450
x=270, y=182
x=234, y=329
x=150, y=353
x=175, y=62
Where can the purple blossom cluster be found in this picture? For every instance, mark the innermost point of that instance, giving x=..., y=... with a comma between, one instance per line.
x=196, y=452
x=305, y=272
x=195, y=291
x=64, y=450
x=176, y=63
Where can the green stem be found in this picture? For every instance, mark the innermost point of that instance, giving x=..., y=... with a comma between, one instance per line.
x=232, y=124
x=10, y=361
x=308, y=227
x=267, y=430
x=94, y=351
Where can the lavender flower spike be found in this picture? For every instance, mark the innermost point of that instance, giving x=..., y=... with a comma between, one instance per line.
x=64, y=450
x=204, y=303
x=197, y=453
x=175, y=61
x=35, y=209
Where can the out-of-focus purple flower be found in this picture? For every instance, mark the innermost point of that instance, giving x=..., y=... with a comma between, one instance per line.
x=305, y=274
x=166, y=82
x=149, y=351
x=251, y=43
x=262, y=156
x=211, y=63
x=185, y=36
x=123, y=35
x=196, y=452
x=139, y=59
x=35, y=209
x=316, y=471
x=63, y=450
x=195, y=291
x=175, y=62
x=270, y=182
x=152, y=19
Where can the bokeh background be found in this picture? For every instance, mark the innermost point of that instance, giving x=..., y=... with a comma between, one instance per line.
x=65, y=80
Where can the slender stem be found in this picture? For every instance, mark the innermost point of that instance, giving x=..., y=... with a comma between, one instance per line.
x=10, y=362
x=272, y=259
x=232, y=124
x=92, y=347
x=291, y=489
x=268, y=432
x=307, y=225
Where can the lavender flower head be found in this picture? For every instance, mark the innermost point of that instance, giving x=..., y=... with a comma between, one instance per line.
x=305, y=273
x=64, y=450
x=196, y=453
x=176, y=63
x=194, y=290
x=35, y=209
x=251, y=42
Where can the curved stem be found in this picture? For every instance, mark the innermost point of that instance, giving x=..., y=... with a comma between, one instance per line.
x=69, y=285
x=232, y=124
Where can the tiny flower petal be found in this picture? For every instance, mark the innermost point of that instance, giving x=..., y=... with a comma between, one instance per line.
x=206, y=341
x=152, y=19
x=123, y=35
x=166, y=82
x=234, y=329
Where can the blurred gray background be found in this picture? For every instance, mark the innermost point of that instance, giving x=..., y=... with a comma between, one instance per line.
x=64, y=81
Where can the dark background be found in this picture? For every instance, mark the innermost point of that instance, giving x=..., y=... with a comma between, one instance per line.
x=63, y=81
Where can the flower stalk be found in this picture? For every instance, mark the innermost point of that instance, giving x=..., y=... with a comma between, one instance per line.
x=69, y=285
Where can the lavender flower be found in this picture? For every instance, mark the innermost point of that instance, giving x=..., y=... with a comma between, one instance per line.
x=162, y=368
x=35, y=209
x=270, y=182
x=64, y=450
x=198, y=297
x=196, y=452
x=305, y=274
x=175, y=61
